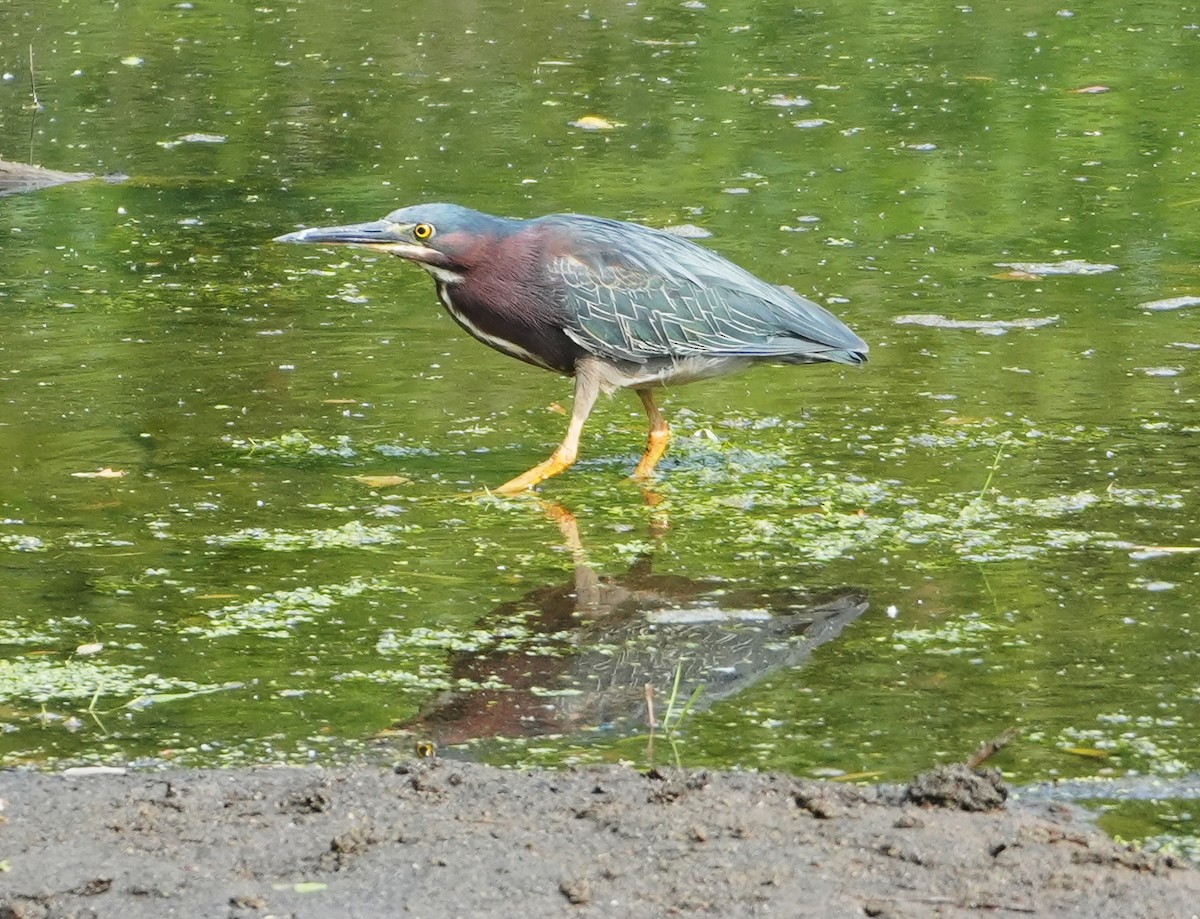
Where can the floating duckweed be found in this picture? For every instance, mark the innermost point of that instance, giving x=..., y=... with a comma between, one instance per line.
x=1145, y=497
x=504, y=639
x=1054, y=506
x=979, y=530
x=958, y=632
x=295, y=444
x=427, y=679
x=20, y=542
x=1074, y=539
x=276, y=614
x=14, y=634
x=1134, y=749
x=43, y=679
x=352, y=535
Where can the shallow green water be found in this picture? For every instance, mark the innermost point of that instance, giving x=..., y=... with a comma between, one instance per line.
x=996, y=497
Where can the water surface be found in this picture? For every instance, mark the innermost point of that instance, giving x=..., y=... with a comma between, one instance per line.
x=189, y=411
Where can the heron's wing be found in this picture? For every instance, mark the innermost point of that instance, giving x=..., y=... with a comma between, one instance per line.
x=634, y=294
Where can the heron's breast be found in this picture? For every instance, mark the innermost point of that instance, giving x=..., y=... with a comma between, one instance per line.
x=497, y=324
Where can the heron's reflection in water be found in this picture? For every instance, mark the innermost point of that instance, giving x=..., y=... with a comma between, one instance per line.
x=601, y=640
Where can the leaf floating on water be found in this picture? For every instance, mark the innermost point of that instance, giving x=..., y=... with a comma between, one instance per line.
x=664, y=43
x=133, y=61
x=1170, y=303
x=1142, y=553
x=595, y=123
x=687, y=231
x=94, y=648
x=193, y=139
x=1071, y=266
x=982, y=326
x=1091, y=90
x=1161, y=371
x=1089, y=752
x=381, y=481
x=104, y=473
x=857, y=776
x=788, y=101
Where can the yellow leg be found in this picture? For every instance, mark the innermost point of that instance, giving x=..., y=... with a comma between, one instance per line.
x=587, y=388
x=660, y=436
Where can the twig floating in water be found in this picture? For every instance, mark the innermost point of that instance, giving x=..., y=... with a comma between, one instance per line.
x=990, y=748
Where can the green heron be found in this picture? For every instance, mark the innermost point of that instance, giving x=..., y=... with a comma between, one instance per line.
x=609, y=303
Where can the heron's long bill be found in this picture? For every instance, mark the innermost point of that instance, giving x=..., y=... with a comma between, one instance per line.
x=375, y=234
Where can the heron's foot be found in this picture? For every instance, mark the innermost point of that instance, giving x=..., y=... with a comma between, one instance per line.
x=557, y=463
x=656, y=446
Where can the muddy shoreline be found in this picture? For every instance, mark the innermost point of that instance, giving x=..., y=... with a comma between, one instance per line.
x=439, y=838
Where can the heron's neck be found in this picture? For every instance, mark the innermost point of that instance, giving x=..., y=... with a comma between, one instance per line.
x=443, y=275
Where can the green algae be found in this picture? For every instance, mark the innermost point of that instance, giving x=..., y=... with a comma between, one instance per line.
x=22, y=542
x=351, y=535
x=950, y=637
x=21, y=634
x=277, y=614
x=293, y=445
x=26, y=680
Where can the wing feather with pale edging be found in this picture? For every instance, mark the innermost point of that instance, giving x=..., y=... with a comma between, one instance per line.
x=634, y=294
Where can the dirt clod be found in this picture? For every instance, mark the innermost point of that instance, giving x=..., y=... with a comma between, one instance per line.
x=577, y=890
x=817, y=804
x=957, y=786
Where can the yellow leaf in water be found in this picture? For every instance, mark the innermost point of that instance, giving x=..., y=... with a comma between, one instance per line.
x=595, y=123
x=857, y=776
x=1090, y=752
x=339, y=401
x=556, y=408
x=104, y=473
x=381, y=481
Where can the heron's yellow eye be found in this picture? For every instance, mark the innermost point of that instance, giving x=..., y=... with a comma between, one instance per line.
x=423, y=231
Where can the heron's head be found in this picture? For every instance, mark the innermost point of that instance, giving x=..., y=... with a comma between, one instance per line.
x=445, y=239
